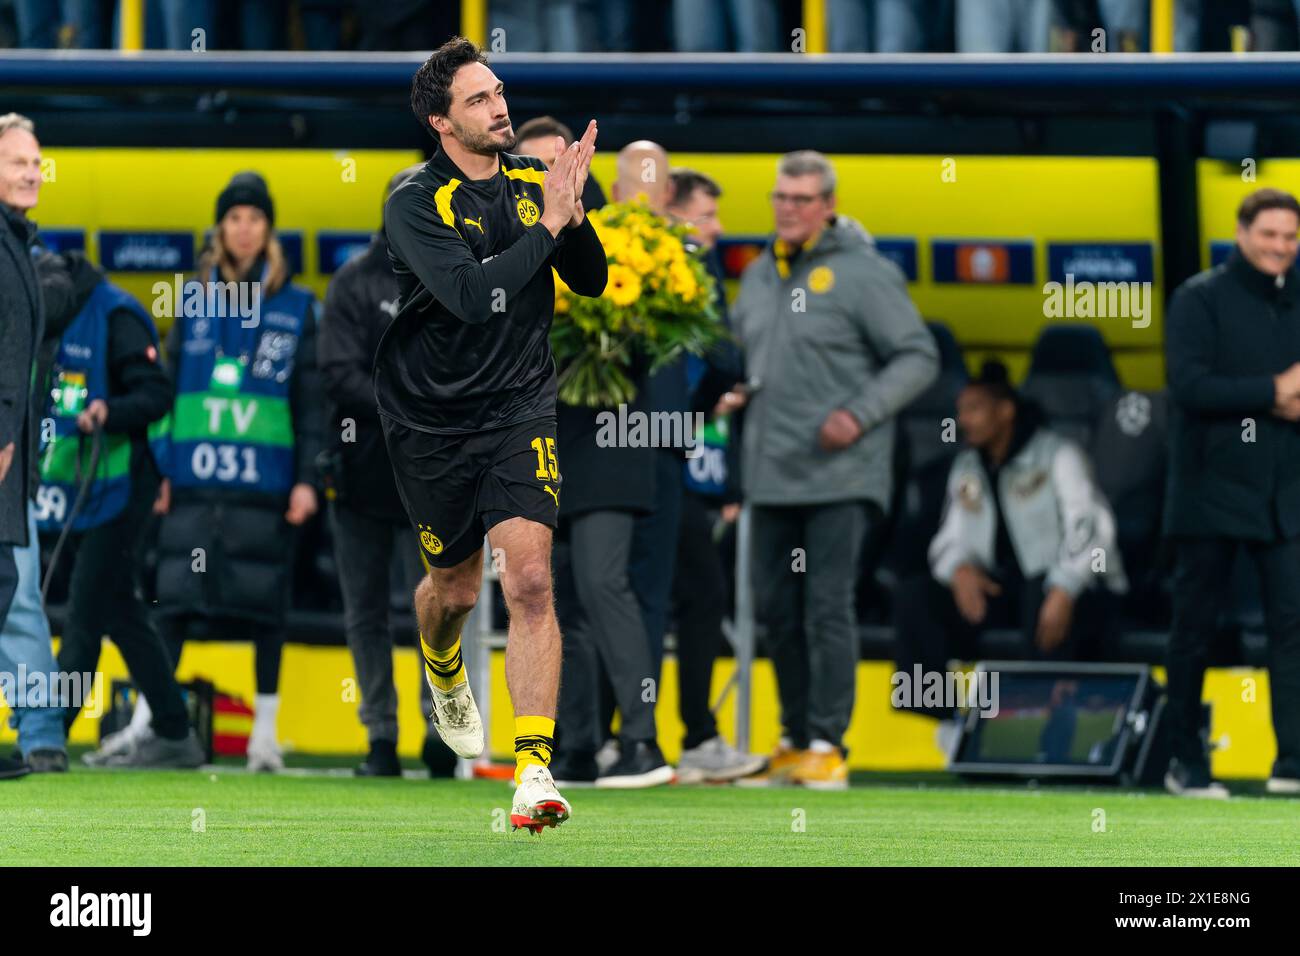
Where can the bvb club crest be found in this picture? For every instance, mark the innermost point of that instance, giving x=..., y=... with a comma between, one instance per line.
x=528, y=211
x=429, y=541
x=821, y=279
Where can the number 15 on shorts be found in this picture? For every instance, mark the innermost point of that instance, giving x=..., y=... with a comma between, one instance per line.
x=547, y=467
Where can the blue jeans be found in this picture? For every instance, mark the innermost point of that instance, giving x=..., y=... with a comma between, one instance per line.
x=322, y=23
x=261, y=24
x=879, y=26
x=617, y=21
x=25, y=647
x=39, y=22
x=170, y=23
x=705, y=26
x=560, y=26
x=1187, y=26
x=1126, y=16
x=1003, y=26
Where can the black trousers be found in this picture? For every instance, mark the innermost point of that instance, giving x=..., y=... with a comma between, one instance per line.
x=930, y=631
x=602, y=629
x=805, y=572
x=364, y=548
x=650, y=563
x=700, y=596
x=267, y=640
x=104, y=597
x=1201, y=578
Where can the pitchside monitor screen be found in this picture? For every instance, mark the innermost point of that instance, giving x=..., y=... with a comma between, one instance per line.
x=1072, y=720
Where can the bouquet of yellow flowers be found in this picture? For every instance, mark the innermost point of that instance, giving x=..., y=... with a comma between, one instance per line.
x=658, y=302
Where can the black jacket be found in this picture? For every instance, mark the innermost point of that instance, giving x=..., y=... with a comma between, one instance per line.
x=597, y=478
x=246, y=542
x=1229, y=331
x=360, y=304
x=469, y=348
x=22, y=322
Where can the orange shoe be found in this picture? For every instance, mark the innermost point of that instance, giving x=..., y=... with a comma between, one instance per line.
x=822, y=771
x=780, y=765
x=784, y=761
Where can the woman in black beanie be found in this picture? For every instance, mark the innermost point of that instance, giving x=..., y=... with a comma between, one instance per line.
x=244, y=433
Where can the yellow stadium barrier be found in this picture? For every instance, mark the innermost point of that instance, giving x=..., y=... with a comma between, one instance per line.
x=318, y=711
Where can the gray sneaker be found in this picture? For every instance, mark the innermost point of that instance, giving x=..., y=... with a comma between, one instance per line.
x=48, y=761
x=608, y=754
x=150, y=750
x=715, y=761
x=111, y=745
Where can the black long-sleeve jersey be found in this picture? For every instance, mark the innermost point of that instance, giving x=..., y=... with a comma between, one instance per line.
x=469, y=348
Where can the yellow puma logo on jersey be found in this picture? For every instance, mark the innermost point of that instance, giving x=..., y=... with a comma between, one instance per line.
x=551, y=491
x=476, y=223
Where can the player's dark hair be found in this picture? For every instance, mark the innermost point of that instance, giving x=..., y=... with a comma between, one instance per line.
x=431, y=85
x=540, y=126
x=994, y=378
x=684, y=182
x=1262, y=199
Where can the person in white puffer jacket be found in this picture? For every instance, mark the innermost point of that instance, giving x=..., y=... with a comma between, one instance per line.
x=1027, y=542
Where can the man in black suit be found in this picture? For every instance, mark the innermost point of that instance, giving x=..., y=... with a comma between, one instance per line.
x=1232, y=348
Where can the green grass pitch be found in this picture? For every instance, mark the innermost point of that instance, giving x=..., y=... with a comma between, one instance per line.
x=225, y=817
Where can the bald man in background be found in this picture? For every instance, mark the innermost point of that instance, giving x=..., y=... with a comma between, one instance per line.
x=610, y=493
x=643, y=174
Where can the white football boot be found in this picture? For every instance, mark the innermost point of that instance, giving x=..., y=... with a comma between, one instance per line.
x=455, y=717
x=537, y=803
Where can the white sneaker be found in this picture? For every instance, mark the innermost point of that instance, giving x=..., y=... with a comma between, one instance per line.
x=150, y=750
x=1289, y=786
x=117, y=743
x=112, y=745
x=537, y=803
x=455, y=717
x=1180, y=786
x=608, y=754
x=264, y=754
x=716, y=761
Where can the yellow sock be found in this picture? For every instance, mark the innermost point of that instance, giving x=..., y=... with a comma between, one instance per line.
x=445, y=668
x=534, y=741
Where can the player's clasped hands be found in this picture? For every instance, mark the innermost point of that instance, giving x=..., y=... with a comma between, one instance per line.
x=565, y=181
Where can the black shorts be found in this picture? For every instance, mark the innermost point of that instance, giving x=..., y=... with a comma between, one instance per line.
x=456, y=487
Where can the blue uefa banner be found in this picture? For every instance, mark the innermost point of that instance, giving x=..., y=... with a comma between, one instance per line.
x=63, y=240
x=901, y=252
x=146, y=251
x=333, y=249
x=983, y=261
x=1100, y=261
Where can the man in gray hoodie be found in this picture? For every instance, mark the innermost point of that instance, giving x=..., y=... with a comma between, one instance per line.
x=834, y=348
